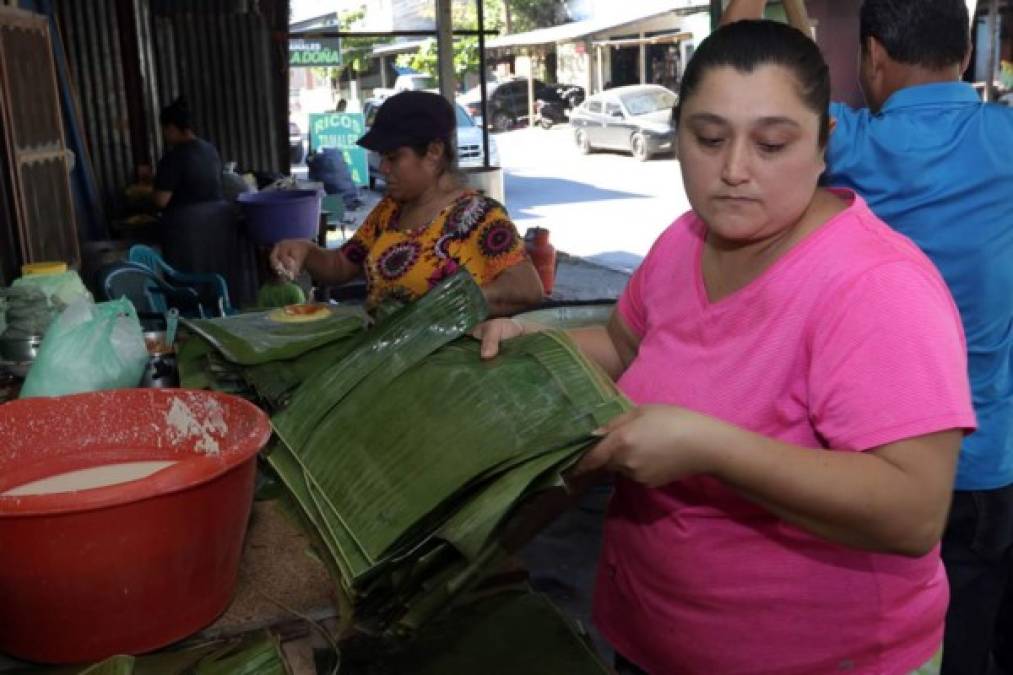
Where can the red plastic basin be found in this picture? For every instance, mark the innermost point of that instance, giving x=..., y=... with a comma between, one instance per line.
x=130, y=567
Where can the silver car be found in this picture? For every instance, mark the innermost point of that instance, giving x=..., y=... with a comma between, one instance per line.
x=469, y=141
x=637, y=118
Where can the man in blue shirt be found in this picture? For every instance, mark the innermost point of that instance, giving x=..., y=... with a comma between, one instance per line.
x=936, y=163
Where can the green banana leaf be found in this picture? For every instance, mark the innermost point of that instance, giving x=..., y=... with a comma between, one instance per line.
x=473, y=523
x=407, y=456
x=507, y=633
x=451, y=420
x=192, y=361
x=450, y=310
x=403, y=454
x=252, y=338
x=255, y=654
x=275, y=382
x=116, y=665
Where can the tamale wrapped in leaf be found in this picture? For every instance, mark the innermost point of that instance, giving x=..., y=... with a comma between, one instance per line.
x=256, y=337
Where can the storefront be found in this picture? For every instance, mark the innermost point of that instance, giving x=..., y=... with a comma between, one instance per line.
x=601, y=53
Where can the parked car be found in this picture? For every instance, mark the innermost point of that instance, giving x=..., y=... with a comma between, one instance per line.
x=296, y=147
x=637, y=118
x=508, y=101
x=469, y=141
x=416, y=82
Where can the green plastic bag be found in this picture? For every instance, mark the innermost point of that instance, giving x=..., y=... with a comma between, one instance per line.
x=89, y=347
x=61, y=289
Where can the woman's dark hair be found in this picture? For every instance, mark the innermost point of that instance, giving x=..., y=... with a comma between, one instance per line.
x=449, y=153
x=929, y=33
x=747, y=45
x=177, y=114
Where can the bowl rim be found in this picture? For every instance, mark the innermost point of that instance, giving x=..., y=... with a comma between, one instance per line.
x=186, y=474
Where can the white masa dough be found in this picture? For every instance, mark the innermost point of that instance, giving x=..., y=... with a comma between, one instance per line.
x=87, y=479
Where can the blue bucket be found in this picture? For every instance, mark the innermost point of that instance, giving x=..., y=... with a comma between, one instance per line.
x=281, y=214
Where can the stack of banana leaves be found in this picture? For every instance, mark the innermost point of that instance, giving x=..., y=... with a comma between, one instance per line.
x=254, y=654
x=404, y=453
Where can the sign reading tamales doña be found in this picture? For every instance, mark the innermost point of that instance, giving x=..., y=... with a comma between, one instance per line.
x=315, y=52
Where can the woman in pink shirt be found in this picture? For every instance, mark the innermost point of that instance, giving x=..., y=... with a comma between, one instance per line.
x=800, y=375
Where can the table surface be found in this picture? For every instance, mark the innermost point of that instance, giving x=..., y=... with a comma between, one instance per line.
x=278, y=568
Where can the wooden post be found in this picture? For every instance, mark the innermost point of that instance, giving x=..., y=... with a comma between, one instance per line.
x=531, y=88
x=445, y=49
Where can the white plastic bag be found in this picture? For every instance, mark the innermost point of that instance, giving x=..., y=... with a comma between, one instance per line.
x=88, y=348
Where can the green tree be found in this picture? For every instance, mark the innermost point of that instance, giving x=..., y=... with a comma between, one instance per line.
x=464, y=17
x=355, y=51
x=513, y=16
x=525, y=15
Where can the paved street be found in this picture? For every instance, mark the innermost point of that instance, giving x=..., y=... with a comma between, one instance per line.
x=606, y=206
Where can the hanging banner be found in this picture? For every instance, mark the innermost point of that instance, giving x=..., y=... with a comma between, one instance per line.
x=341, y=130
x=315, y=52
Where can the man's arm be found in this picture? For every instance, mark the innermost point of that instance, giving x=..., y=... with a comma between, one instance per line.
x=166, y=180
x=160, y=198
x=739, y=10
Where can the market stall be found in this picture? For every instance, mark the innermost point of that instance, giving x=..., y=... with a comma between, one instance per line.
x=374, y=524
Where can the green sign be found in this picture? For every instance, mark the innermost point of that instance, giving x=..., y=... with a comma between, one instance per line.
x=341, y=131
x=318, y=52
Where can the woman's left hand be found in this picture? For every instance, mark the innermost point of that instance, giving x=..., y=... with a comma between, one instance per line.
x=654, y=445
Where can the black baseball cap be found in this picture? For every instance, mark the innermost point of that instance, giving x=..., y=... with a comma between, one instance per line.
x=410, y=118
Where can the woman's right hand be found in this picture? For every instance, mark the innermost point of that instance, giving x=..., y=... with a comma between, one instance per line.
x=493, y=332
x=288, y=257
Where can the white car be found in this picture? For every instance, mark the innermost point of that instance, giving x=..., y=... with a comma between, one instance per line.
x=469, y=141
x=415, y=82
x=637, y=118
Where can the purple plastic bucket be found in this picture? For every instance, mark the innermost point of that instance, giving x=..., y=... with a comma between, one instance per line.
x=281, y=214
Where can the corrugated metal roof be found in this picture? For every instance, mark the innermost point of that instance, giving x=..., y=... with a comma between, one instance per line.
x=571, y=31
x=221, y=54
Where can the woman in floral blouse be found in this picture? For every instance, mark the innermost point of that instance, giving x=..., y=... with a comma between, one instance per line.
x=428, y=226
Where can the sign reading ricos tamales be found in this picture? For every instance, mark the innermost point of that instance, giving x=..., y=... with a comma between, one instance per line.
x=315, y=52
x=341, y=131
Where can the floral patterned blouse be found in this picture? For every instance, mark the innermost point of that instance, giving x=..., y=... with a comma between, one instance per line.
x=473, y=232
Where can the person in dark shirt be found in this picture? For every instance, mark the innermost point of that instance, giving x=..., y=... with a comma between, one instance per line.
x=198, y=228
x=191, y=171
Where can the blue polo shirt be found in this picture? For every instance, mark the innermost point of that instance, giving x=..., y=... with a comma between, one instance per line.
x=937, y=165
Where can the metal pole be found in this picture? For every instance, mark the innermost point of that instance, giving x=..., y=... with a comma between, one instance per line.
x=993, y=38
x=480, y=11
x=601, y=80
x=643, y=60
x=445, y=49
x=716, y=10
x=531, y=88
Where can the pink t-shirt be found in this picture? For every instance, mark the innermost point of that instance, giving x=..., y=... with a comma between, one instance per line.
x=850, y=341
